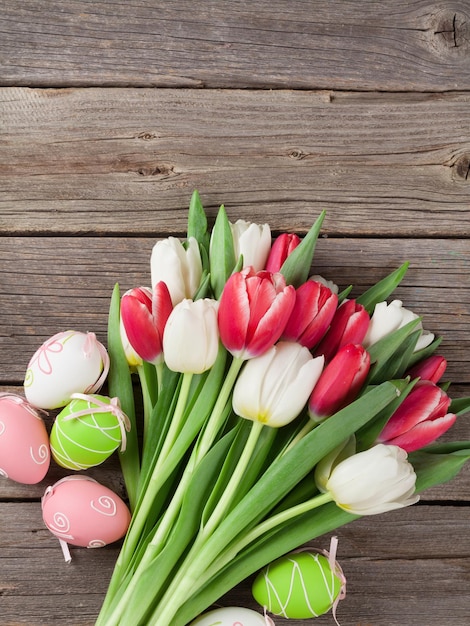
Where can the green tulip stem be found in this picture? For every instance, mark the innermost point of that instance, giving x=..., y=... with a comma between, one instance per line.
x=176, y=421
x=165, y=524
x=147, y=402
x=145, y=504
x=209, y=560
x=159, y=372
x=306, y=428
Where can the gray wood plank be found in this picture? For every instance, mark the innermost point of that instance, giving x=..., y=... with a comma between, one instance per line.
x=394, y=46
x=398, y=571
x=85, y=161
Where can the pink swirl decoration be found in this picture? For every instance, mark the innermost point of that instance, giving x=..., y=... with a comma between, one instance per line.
x=42, y=454
x=42, y=354
x=105, y=506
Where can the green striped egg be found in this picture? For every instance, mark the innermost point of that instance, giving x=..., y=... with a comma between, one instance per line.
x=81, y=442
x=299, y=585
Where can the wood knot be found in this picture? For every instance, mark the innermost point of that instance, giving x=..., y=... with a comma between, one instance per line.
x=156, y=170
x=297, y=154
x=146, y=136
x=461, y=168
x=451, y=32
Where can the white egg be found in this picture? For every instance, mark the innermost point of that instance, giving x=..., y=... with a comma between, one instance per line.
x=69, y=362
x=232, y=616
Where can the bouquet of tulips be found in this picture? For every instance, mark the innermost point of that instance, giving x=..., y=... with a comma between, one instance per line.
x=274, y=410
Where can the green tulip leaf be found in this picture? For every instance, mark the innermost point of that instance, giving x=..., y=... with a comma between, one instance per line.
x=120, y=386
x=221, y=253
x=459, y=406
x=382, y=290
x=197, y=222
x=296, y=268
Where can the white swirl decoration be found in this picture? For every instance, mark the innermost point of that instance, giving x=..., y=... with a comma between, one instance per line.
x=42, y=454
x=60, y=525
x=2, y=428
x=96, y=543
x=3, y=473
x=105, y=506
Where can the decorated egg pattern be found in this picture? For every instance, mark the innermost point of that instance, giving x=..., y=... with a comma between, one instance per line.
x=69, y=362
x=87, y=431
x=24, y=444
x=232, y=616
x=299, y=585
x=80, y=511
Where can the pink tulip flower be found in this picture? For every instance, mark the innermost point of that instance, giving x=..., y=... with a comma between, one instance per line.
x=340, y=382
x=315, y=306
x=280, y=250
x=432, y=369
x=420, y=419
x=254, y=309
x=349, y=325
x=144, y=314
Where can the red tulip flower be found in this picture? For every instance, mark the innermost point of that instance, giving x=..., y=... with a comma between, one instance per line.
x=340, y=382
x=349, y=325
x=280, y=250
x=420, y=419
x=254, y=309
x=315, y=306
x=432, y=369
x=144, y=314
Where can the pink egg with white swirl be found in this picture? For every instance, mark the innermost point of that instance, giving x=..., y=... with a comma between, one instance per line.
x=80, y=511
x=24, y=443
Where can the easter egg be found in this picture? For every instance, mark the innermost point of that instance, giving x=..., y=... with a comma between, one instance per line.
x=87, y=431
x=69, y=362
x=299, y=585
x=232, y=616
x=80, y=511
x=24, y=443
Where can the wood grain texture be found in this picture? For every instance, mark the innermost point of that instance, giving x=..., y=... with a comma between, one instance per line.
x=393, y=46
x=38, y=588
x=80, y=161
x=111, y=113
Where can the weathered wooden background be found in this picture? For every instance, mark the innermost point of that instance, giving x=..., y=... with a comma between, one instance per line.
x=111, y=113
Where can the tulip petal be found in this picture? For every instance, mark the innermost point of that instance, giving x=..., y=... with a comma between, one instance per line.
x=426, y=401
x=424, y=433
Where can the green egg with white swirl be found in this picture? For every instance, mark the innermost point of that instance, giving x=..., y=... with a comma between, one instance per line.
x=87, y=431
x=299, y=585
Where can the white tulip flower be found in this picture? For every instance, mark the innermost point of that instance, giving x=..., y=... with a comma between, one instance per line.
x=274, y=388
x=178, y=265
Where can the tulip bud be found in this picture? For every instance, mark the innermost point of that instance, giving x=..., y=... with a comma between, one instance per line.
x=349, y=325
x=144, y=315
x=178, y=265
x=390, y=317
x=191, y=338
x=420, y=419
x=273, y=388
x=432, y=369
x=280, y=250
x=253, y=242
x=314, y=308
x=340, y=382
x=254, y=309
x=374, y=481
